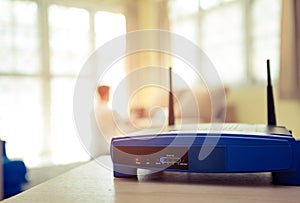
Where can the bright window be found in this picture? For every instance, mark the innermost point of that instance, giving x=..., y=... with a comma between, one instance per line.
x=235, y=35
x=69, y=39
x=42, y=51
x=19, y=34
x=222, y=40
x=69, y=49
x=265, y=37
x=21, y=103
x=21, y=117
x=104, y=29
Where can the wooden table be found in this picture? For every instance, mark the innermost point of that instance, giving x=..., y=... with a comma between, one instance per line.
x=94, y=183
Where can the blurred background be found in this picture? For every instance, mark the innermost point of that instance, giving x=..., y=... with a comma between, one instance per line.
x=45, y=43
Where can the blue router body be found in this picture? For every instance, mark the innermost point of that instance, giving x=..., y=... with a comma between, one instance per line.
x=236, y=148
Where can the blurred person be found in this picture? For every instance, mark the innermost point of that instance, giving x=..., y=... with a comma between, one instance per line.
x=105, y=115
x=108, y=123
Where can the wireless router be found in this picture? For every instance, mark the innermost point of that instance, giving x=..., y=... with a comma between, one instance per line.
x=227, y=148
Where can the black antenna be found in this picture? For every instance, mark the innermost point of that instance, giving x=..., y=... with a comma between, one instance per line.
x=171, y=101
x=270, y=98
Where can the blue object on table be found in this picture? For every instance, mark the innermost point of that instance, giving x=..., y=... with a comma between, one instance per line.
x=14, y=174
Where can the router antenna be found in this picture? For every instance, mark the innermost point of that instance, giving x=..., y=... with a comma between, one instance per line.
x=171, y=101
x=270, y=98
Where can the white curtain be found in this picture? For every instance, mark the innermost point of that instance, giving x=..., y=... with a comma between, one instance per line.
x=289, y=84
